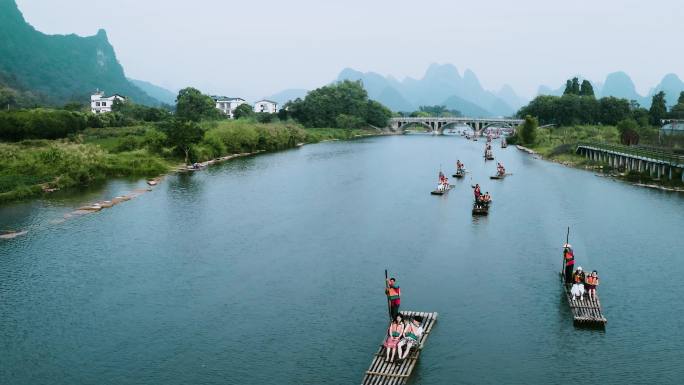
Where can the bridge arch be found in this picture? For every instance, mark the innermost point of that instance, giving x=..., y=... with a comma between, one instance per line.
x=407, y=125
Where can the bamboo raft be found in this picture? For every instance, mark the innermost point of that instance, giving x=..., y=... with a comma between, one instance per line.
x=381, y=372
x=480, y=209
x=585, y=312
x=442, y=192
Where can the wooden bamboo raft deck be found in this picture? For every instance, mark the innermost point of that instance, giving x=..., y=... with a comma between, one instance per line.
x=385, y=373
x=585, y=312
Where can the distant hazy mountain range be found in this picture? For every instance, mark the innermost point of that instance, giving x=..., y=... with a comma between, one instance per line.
x=59, y=68
x=443, y=85
x=157, y=92
x=620, y=85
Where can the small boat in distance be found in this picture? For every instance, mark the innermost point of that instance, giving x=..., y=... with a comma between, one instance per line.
x=460, y=170
x=480, y=209
x=504, y=144
x=441, y=191
x=442, y=186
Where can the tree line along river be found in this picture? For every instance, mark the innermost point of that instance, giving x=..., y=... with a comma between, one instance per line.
x=269, y=270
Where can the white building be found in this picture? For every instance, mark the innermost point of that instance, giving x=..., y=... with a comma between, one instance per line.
x=228, y=105
x=267, y=106
x=99, y=104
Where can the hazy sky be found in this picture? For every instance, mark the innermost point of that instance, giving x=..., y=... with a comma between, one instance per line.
x=256, y=48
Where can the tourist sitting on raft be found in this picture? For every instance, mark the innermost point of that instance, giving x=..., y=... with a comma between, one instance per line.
x=412, y=333
x=443, y=183
x=577, y=289
x=590, y=284
x=500, y=170
x=395, y=332
x=459, y=165
x=484, y=199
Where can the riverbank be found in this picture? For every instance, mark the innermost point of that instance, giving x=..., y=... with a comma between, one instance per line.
x=33, y=168
x=604, y=169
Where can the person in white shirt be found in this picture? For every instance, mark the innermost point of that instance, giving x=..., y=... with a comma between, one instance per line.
x=412, y=333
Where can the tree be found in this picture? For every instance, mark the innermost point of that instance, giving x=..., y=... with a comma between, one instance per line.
x=572, y=87
x=586, y=89
x=265, y=117
x=323, y=107
x=677, y=111
x=568, y=87
x=658, y=110
x=575, y=86
x=192, y=105
x=244, y=110
x=681, y=98
x=348, y=121
x=376, y=114
x=612, y=110
x=182, y=134
x=75, y=106
x=528, y=131
x=628, y=131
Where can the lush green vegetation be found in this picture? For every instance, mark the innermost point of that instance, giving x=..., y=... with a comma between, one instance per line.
x=95, y=154
x=432, y=111
x=26, y=167
x=579, y=107
x=54, y=69
x=136, y=140
x=44, y=123
x=340, y=105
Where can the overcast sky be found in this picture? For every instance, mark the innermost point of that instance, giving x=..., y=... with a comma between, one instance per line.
x=257, y=48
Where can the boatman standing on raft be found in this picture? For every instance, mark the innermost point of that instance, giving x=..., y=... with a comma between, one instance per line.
x=569, y=258
x=393, y=293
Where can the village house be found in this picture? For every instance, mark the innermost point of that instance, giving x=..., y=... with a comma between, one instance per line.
x=267, y=106
x=672, y=127
x=99, y=104
x=228, y=105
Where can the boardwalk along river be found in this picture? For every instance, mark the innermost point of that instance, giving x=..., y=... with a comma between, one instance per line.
x=269, y=270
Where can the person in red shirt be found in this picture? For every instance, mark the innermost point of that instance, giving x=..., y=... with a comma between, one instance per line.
x=393, y=293
x=569, y=258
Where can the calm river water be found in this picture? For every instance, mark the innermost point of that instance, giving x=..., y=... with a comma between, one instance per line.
x=269, y=270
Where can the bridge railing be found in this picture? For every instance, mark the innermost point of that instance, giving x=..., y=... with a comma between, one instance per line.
x=663, y=155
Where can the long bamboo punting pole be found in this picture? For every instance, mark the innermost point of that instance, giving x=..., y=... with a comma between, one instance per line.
x=389, y=309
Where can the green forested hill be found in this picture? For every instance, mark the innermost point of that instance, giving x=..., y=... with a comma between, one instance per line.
x=59, y=68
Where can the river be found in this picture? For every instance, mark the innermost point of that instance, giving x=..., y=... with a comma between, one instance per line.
x=269, y=270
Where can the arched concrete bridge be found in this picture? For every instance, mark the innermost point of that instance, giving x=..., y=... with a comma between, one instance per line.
x=439, y=124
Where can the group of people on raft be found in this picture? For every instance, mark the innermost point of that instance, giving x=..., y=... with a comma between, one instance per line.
x=481, y=199
x=460, y=167
x=581, y=283
x=500, y=169
x=402, y=333
x=443, y=183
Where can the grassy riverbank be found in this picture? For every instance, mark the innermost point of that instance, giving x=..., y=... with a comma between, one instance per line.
x=558, y=144
x=28, y=168
x=31, y=167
